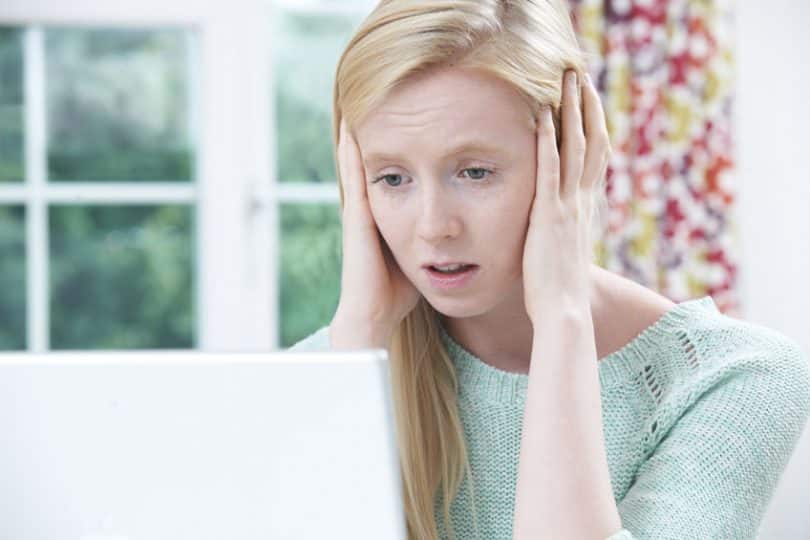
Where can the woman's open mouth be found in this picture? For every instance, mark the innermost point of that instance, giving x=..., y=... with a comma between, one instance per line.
x=451, y=276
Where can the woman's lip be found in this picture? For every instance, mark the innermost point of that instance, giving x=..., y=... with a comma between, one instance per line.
x=447, y=264
x=451, y=281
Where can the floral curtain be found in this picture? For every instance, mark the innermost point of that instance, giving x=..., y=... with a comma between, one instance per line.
x=664, y=70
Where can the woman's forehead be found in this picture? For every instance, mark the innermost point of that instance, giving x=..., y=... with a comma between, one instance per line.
x=453, y=108
x=450, y=94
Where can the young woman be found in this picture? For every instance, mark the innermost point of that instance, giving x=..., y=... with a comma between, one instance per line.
x=537, y=395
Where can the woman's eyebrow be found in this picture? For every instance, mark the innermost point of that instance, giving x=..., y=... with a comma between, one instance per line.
x=465, y=147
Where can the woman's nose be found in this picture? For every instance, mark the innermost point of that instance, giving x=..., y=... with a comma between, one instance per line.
x=437, y=217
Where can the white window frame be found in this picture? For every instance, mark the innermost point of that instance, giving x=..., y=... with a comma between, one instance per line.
x=235, y=194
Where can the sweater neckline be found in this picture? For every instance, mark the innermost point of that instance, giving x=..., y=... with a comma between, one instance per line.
x=481, y=379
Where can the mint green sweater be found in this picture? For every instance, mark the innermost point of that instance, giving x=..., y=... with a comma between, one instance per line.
x=701, y=414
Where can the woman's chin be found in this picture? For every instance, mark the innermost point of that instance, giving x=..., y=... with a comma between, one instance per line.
x=458, y=307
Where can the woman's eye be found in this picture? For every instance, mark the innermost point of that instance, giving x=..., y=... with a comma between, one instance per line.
x=477, y=173
x=385, y=178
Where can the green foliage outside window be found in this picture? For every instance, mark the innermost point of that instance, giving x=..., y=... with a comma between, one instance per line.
x=121, y=277
x=12, y=143
x=117, y=103
x=12, y=278
x=310, y=268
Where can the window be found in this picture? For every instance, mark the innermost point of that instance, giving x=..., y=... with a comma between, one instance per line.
x=166, y=173
x=96, y=166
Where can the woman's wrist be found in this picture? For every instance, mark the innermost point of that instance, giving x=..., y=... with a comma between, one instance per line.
x=346, y=334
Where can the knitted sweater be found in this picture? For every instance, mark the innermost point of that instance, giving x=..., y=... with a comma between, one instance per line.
x=701, y=413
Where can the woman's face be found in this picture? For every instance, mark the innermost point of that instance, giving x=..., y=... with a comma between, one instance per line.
x=450, y=161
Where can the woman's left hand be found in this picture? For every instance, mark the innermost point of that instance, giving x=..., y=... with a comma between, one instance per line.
x=558, y=249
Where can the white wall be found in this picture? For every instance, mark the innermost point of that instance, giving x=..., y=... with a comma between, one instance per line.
x=773, y=170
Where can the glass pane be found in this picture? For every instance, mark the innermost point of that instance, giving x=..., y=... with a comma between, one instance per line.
x=307, y=50
x=12, y=278
x=12, y=145
x=118, y=105
x=122, y=277
x=310, y=268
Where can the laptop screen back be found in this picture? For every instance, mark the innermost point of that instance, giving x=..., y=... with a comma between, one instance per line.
x=160, y=445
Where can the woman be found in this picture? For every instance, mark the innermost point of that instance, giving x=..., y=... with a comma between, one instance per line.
x=471, y=150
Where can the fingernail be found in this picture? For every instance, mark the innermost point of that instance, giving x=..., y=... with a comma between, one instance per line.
x=588, y=79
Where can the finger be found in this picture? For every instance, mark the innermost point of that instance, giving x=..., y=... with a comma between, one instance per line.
x=353, y=177
x=596, y=134
x=548, y=160
x=342, y=161
x=350, y=194
x=572, y=151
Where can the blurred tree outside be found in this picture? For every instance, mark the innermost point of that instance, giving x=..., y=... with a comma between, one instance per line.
x=12, y=144
x=12, y=218
x=12, y=278
x=117, y=102
x=306, y=51
x=310, y=268
x=121, y=277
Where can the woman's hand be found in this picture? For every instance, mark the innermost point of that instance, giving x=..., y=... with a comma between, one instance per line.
x=558, y=251
x=374, y=295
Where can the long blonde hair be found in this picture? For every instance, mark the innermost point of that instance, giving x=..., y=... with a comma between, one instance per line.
x=528, y=43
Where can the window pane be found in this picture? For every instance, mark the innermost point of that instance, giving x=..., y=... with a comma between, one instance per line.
x=12, y=146
x=117, y=105
x=310, y=268
x=307, y=50
x=121, y=277
x=12, y=278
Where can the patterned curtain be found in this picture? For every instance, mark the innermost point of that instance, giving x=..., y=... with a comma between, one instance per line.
x=664, y=70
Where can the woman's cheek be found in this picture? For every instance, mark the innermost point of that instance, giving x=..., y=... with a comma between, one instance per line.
x=380, y=213
x=391, y=221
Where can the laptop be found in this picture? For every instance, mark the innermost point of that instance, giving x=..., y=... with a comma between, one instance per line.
x=157, y=445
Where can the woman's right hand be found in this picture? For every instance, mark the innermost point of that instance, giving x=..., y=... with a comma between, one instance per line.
x=375, y=295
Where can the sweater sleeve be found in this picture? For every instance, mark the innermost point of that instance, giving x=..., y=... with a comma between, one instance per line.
x=719, y=444
x=315, y=342
x=623, y=534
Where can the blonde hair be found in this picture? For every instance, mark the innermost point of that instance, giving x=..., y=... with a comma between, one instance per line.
x=527, y=43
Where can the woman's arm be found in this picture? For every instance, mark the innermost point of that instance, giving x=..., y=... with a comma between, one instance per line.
x=563, y=486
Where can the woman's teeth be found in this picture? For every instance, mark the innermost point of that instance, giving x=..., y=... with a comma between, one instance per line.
x=451, y=269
